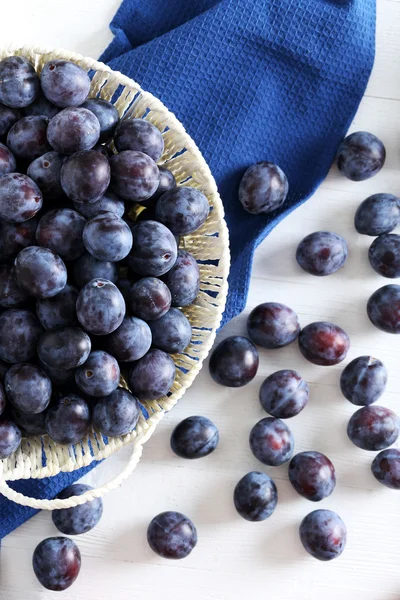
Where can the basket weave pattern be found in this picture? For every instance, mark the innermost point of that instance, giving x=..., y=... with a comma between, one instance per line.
x=39, y=456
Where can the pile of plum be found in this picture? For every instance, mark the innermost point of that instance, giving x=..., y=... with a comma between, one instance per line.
x=284, y=394
x=86, y=289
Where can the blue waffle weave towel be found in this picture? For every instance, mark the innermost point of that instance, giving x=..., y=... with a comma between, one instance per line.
x=251, y=80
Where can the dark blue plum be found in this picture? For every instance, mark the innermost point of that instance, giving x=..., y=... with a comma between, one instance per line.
x=59, y=311
x=73, y=130
x=40, y=272
x=107, y=237
x=10, y=438
x=172, y=535
x=68, y=420
x=85, y=176
x=273, y=325
x=130, y=341
x=87, y=267
x=183, y=210
x=183, y=280
x=46, y=172
x=361, y=155
x=384, y=255
x=323, y=534
x=64, y=83
x=378, y=214
x=27, y=423
x=312, y=475
x=20, y=198
x=373, y=428
x=194, y=437
x=324, y=343
x=19, y=334
x=255, y=496
x=107, y=116
x=167, y=182
x=234, y=362
x=139, y=135
x=363, y=380
x=322, y=253
x=56, y=563
x=27, y=138
x=100, y=307
x=172, y=332
x=64, y=348
x=152, y=376
x=8, y=164
x=264, y=188
x=19, y=83
x=284, y=394
x=386, y=468
x=41, y=107
x=61, y=230
x=149, y=298
x=28, y=388
x=383, y=308
x=100, y=374
x=116, y=414
x=271, y=442
x=11, y=294
x=3, y=394
x=108, y=203
x=154, y=250
x=134, y=175
x=16, y=236
x=8, y=116
x=78, y=519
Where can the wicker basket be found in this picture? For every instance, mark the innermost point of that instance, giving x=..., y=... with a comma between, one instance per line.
x=39, y=456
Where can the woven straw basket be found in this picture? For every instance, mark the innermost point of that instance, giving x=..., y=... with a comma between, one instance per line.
x=39, y=456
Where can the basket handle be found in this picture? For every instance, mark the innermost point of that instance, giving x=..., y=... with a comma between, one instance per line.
x=87, y=496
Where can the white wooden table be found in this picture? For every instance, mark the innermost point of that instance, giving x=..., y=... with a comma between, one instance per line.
x=235, y=559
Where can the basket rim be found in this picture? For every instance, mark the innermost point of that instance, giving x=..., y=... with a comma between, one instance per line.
x=165, y=404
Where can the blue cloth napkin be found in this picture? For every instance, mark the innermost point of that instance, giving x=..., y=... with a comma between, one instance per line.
x=251, y=80
x=12, y=515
